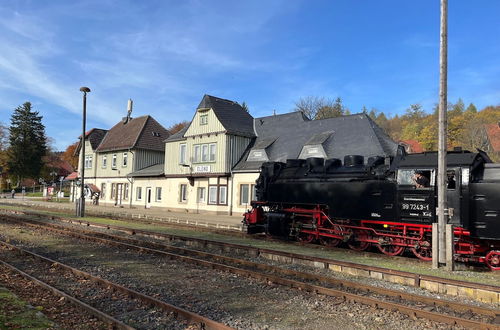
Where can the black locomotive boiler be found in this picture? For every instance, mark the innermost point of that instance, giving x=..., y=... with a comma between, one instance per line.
x=387, y=203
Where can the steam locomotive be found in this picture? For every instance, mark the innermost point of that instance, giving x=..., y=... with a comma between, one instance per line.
x=382, y=203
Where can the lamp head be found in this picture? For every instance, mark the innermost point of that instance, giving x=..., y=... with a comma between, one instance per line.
x=85, y=89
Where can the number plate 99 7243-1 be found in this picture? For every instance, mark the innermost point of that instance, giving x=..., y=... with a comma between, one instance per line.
x=415, y=207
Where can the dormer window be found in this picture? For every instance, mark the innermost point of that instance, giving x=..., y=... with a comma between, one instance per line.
x=314, y=147
x=258, y=155
x=204, y=119
x=315, y=150
x=258, y=152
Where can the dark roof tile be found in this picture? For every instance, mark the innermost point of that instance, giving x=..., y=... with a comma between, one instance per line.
x=142, y=132
x=231, y=115
x=347, y=135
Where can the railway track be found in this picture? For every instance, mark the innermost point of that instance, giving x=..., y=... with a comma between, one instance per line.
x=105, y=318
x=103, y=298
x=432, y=283
x=413, y=305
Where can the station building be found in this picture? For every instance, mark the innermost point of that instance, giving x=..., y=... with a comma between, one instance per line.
x=211, y=165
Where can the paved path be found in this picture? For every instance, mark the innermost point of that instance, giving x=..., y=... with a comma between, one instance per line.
x=207, y=220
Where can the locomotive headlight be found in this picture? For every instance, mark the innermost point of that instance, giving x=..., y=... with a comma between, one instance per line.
x=385, y=225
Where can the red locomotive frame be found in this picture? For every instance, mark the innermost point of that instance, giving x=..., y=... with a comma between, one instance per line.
x=311, y=223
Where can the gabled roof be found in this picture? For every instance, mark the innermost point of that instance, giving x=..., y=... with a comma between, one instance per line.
x=94, y=136
x=230, y=114
x=140, y=133
x=347, y=135
x=493, y=132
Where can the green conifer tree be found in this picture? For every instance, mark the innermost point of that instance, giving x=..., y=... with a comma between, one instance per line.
x=27, y=143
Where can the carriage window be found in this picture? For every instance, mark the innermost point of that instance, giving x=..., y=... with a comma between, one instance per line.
x=416, y=177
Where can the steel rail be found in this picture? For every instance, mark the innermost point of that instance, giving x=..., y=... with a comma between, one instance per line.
x=285, y=272
x=411, y=311
x=258, y=251
x=116, y=324
x=205, y=323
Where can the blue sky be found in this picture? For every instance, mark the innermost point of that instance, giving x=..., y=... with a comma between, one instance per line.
x=166, y=55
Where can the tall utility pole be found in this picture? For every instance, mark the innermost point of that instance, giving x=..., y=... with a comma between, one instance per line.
x=80, y=208
x=442, y=210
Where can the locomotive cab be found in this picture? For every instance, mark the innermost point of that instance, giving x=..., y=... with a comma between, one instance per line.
x=416, y=194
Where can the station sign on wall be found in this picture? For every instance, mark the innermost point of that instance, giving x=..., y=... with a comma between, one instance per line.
x=202, y=169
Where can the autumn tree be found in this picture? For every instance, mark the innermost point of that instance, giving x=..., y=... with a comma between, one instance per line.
x=315, y=107
x=471, y=108
x=413, y=122
x=27, y=143
x=69, y=155
x=174, y=128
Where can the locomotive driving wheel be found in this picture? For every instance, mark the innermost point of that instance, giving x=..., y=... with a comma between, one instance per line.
x=329, y=241
x=306, y=237
x=422, y=250
x=492, y=259
x=389, y=246
x=357, y=241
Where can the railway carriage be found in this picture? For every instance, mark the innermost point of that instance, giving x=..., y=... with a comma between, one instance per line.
x=380, y=203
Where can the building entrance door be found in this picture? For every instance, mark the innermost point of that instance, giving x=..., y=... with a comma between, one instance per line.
x=148, y=197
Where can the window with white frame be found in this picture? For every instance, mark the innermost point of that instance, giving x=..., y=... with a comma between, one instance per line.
x=88, y=161
x=223, y=195
x=113, y=161
x=138, y=193
x=104, y=161
x=213, y=149
x=202, y=191
x=125, y=191
x=247, y=193
x=244, y=194
x=103, y=190
x=183, y=193
x=212, y=195
x=204, y=119
x=203, y=153
x=113, y=190
x=196, y=153
x=158, y=194
x=217, y=194
x=182, y=153
x=125, y=159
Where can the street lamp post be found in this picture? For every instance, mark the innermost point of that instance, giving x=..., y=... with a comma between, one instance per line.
x=80, y=209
